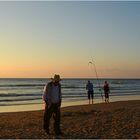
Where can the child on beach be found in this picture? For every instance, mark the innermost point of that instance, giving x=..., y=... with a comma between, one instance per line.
x=106, y=91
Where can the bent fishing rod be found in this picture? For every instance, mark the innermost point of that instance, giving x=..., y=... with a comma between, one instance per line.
x=93, y=63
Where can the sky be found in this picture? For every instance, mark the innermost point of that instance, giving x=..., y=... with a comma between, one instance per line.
x=40, y=39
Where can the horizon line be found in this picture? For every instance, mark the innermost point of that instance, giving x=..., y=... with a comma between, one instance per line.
x=69, y=78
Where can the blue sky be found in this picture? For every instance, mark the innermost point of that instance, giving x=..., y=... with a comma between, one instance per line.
x=42, y=38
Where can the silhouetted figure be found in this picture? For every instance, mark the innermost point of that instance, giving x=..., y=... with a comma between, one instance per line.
x=106, y=91
x=90, y=91
x=52, y=99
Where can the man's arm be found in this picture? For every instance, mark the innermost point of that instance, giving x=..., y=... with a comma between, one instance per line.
x=46, y=97
x=60, y=95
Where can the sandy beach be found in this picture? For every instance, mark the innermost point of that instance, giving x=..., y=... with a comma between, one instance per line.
x=103, y=121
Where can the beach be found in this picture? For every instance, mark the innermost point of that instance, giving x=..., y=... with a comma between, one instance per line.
x=98, y=121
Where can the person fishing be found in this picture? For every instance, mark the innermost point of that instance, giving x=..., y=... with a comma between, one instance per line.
x=93, y=68
x=106, y=91
x=52, y=99
x=90, y=91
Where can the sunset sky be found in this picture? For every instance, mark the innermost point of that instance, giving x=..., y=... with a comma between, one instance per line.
x=39, y=39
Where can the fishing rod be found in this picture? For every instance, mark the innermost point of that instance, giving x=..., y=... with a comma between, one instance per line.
x=93, y=63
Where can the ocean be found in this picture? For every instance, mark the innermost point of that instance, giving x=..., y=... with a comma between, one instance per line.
x=29, y=91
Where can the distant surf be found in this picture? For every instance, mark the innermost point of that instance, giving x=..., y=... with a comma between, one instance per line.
x=29, y=91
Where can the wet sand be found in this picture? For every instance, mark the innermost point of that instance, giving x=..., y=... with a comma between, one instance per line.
x=102, y=121
x=40, y=106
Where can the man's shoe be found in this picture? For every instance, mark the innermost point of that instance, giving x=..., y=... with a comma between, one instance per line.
x=47, y=131
x=59, y=133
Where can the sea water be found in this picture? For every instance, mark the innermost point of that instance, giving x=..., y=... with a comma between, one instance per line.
x=29, y=91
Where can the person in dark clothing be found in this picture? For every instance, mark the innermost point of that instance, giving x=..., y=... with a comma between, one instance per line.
x=106, y=91
x=90, y=91
x=52, y=100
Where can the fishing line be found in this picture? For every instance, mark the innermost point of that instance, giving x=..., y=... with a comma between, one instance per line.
x=93, y=68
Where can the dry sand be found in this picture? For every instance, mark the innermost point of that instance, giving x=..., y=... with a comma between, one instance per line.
x=114, y=120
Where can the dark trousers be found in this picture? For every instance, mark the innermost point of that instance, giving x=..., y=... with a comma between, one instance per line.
x=53, y=110
x=106, y=94
x=90, y=94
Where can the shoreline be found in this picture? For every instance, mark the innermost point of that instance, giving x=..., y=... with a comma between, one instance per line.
x=40, y=106
x=116, y=120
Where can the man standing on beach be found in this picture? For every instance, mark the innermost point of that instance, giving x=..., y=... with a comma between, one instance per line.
x=89, y=88
x=52, y=99
x=106, y=91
